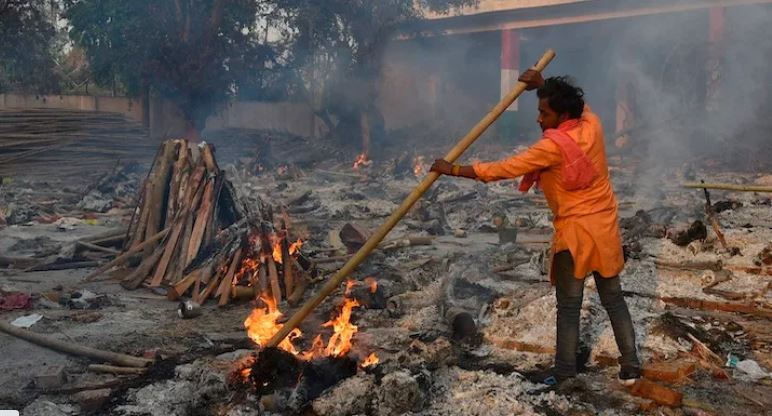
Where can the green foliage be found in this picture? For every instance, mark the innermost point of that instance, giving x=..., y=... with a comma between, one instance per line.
x=26, y=53
x=196, y=53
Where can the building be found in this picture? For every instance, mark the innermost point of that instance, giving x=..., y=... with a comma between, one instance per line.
x=636, y=60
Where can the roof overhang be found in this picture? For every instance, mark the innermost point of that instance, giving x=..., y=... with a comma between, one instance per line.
x=495, y=16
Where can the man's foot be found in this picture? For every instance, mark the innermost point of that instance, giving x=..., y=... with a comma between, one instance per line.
x=628, y=375
x=547, y=377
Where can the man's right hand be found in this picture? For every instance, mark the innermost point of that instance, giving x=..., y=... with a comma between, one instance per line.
x=532, y=79
x=442, y=166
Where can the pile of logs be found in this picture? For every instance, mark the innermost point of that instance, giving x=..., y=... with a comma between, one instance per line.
x=57, y=142
x=191, y=234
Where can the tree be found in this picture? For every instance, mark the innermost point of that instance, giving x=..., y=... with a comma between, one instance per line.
x=196, y=53
x=350, y=37
x=27, y=37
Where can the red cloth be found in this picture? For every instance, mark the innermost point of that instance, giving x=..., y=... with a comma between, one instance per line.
x=578, y=171
x=15, y=300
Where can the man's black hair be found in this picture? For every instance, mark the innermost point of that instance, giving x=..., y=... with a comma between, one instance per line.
x=562, y=96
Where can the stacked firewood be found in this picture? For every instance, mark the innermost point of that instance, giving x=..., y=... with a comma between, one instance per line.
x=71, y=143
x=191, y=234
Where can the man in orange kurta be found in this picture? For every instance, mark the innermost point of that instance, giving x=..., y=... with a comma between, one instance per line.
x=569, y=163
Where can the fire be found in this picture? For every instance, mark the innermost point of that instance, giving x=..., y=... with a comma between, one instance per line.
x=371, y=360
x=262, y=323
x=296, y=246
x=277, y=251
x=343, y=330
x=418, y=165
x=362, y=161
x=372, y=283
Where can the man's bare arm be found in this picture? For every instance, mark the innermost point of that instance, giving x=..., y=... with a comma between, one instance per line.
x=444, y=167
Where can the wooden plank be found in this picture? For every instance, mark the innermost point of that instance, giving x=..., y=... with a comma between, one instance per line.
x=199, y=226
x=273, y=277
x=224, y=290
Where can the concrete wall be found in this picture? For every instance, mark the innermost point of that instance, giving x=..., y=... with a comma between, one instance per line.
x=166, y=120
x=129, y=107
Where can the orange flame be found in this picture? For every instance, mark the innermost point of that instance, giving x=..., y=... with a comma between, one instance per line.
x=418, y=165
x=372, y=283
x=371, y=360
x=343, y=330
x=296, y=246
x=277, y=251
x=262, y=324
x=361, y=161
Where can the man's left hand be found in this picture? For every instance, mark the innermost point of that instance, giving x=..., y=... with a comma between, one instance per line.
x=442, y=166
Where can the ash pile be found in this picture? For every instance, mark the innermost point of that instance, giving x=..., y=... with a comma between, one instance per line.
x=447, y=316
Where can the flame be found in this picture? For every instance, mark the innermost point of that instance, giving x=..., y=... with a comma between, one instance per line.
x=372, y=283
x=349, y=285
x=371, y=360
x=418, y=165
x=343, y=330
x=316, y=351
x=262, y=324
x=296, y=246
x=277, y=251
x=361, y=161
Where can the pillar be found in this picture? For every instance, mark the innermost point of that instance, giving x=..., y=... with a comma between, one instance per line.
x=715, y=57
x=510, y=62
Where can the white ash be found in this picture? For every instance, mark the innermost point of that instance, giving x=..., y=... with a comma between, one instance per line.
x=399, y=393
x=351, y=396
x=460, y=392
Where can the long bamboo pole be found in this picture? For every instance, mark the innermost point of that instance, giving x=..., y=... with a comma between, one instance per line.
x=400, y=212
x=729, y=187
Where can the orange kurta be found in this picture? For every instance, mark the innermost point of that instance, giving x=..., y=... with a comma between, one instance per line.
x=585, y=220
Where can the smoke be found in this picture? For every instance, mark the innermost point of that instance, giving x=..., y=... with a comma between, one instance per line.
x=688, y=102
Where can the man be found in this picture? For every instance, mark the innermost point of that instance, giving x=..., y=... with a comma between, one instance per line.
x=569, y=163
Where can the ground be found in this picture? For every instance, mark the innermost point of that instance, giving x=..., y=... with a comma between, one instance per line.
x=423, y=369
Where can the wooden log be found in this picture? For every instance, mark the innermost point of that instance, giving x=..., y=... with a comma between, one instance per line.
x=728, y=187
x=714, y=265
x=207, y=156
x=135, y=278
x=199, y=225
x=181, y=287
x=227, y=282
x=273, y=277
x=139, y=234
x=212, y=221
x=211, y=284
x=169, y=249
x=67, y=347
x=125, y=256
x=302, y=282
x=708, y=305
x=102, y=368
x=159, y=190
x=95, y=247
x=63, y=266
x=180, y=171
x=286, y=259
